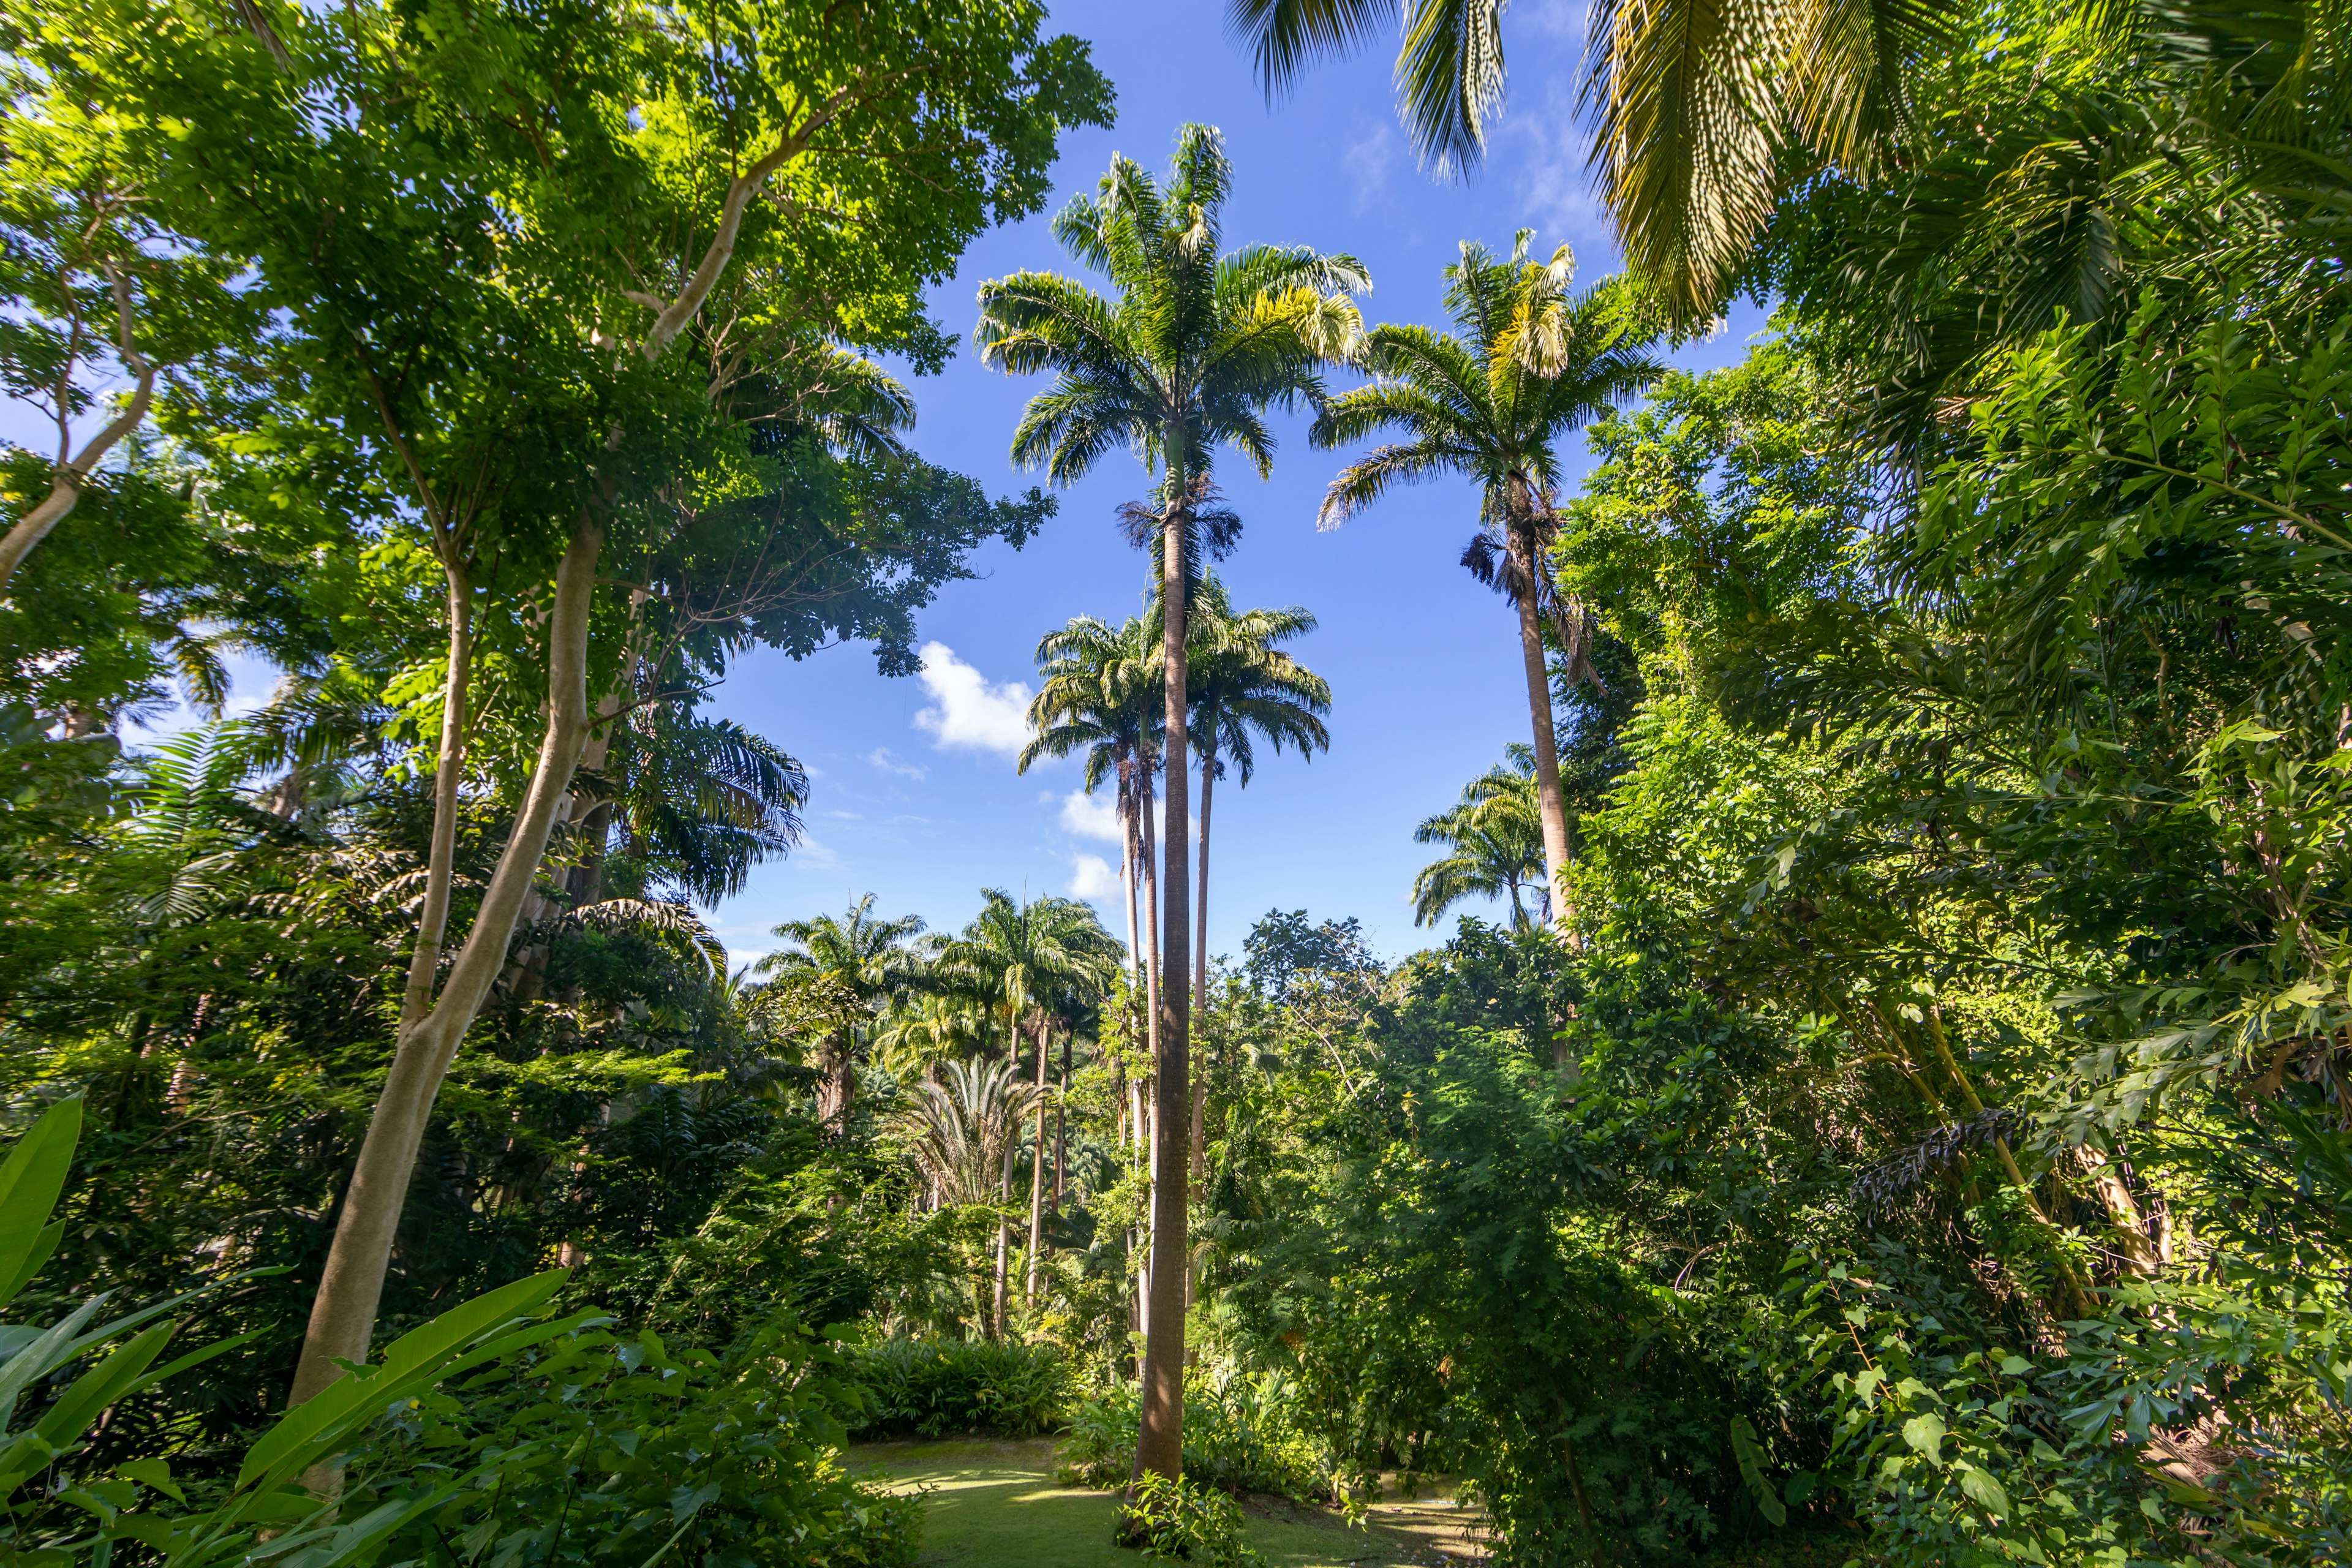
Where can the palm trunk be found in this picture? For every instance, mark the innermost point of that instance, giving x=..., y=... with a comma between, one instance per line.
x=1062, y=1124
x=1531, y=653
x=440, y=860
x=1160, y=1445
x=838, y=1088
x=1132, y=841
x=1004, y=1227
x=342, y=1314
x=1037, y=1174
x=1199, y=1138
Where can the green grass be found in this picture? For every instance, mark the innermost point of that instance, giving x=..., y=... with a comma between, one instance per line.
x=994, y=1505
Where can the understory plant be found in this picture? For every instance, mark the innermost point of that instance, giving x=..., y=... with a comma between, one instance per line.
x=1239, y=1437
x=1171, y=1518
x=930, y=1388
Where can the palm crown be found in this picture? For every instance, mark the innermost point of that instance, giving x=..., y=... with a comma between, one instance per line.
x=1533, y=361
x=1196, y=346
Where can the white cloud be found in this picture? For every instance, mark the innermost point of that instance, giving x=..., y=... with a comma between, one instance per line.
x=809, y=852
x=1091, y=816
x=1092, y=877
x=969, y=712
x=882, y=758
x=1367, y=161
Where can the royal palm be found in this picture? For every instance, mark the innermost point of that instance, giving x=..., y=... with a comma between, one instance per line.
x=1186, y=355
x=1695, y=107
x=1495, y=835
x=1532, y=364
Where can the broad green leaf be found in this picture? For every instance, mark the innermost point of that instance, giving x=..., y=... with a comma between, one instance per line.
x=1926, y=1433
x=101, y=1386
x=425, y=1352
x=1984, y=1491
x=30, y=1181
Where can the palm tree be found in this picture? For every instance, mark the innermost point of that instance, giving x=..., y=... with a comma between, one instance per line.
x=1025, y=959
x=1241, y=686
x=1693, y=105
x=1190, y=355
x=1495, y=834
x=1533, y=363
x=1103, y=693
x=855, y=959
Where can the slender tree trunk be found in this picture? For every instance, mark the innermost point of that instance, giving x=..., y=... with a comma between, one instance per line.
x=449, y=766
x=1004, y=1225
x=1151, y=966
x=1037, y=1174
x=1062, y=1124
x=342, y=1315
x=1161, y=1448
x=1133, y=842
x=1531, y=652
x=1199, y=1138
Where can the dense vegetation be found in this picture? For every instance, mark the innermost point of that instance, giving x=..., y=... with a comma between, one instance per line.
x=1902, y=1109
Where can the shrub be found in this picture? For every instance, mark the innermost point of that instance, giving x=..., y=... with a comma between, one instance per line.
x=605, y=1449
x=932, y=1388
x=1179, y=1519
x=1238, y=1438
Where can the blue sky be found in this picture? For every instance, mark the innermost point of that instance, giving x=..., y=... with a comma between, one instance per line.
x=914, y=794
x=915, y=798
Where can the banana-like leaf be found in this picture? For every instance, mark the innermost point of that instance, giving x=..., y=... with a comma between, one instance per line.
x=30, y=1181
x=422, y=1354
x=43, y=1246
x=44, y=1356
x=96, y=1389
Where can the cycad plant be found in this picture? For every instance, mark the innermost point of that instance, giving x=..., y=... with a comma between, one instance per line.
x=858, y=957
x=1532, y=364
x=1495, y=836
x=1696, y=108
x=1197, y=346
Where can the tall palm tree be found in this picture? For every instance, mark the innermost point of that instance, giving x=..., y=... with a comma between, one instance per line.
x=1244, y=689
x=1495, y=834
x=1189, y=356
x=1025, y=959
x=1103, y=693
x=855, y=956
x=1692, y=104
x=1533, y=363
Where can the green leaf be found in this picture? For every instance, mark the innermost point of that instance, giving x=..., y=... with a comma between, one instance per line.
x=1984, y=1491
x=1926, y=1433
x=30, y=1181
x=101, y=1386
x=1752, y=1458
x=417, y=1358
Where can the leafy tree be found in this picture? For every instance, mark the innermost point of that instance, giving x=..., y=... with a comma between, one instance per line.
x=1194, y=351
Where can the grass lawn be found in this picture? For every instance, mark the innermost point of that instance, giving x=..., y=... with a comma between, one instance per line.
x=995, y=1506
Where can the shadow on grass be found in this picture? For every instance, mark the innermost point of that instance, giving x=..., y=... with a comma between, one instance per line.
x=994, y=1505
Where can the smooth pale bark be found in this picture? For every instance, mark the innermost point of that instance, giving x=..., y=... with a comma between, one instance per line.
x=1198, y=1141
x=71, y=475
x=1531, y=653
x=449, y=766
x=1037, y=1175
x=1062, y=1123
x=1004, y=1227
x=1160, y=1448
x=342, y=1316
